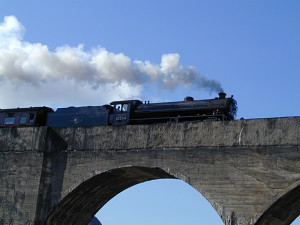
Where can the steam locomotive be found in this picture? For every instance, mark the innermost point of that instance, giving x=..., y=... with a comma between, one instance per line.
x=123, y=113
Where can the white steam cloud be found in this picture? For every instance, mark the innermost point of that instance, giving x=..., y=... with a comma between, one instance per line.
x=31, y=73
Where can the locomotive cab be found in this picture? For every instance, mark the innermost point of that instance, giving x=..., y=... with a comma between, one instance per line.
x=122, y=111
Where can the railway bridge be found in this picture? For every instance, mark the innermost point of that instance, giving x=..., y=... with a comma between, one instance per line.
x=249, y=170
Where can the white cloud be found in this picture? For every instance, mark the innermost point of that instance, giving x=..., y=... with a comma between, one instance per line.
x=31, y=74
x=64, y=93
x=11, y=32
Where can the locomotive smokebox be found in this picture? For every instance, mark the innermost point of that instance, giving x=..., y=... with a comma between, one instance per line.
x=222, y=95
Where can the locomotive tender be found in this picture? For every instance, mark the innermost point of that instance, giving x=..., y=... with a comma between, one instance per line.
x=122, y=113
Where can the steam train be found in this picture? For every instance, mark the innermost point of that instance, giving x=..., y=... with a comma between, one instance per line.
x=123, y=113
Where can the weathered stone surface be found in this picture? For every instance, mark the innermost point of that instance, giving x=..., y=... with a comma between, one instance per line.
x=22, y=139
x=243, y=181
x=256, y=132
x=99, y=190
x=21, y=157
x=241, y=167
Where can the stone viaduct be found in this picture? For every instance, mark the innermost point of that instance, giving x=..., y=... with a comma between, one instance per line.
x=249, y=170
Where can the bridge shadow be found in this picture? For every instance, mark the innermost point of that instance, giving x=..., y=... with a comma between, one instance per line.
x=284, y=211
x=87, y=198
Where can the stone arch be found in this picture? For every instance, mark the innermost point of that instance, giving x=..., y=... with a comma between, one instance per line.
x=284, y=211
x=87, y=198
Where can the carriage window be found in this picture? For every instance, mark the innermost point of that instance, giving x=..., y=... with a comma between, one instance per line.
x=23, y=119
x=10, y=118
x=31, y=118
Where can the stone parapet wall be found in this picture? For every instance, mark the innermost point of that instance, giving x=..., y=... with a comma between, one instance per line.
x=22, y=139
x=256, y=132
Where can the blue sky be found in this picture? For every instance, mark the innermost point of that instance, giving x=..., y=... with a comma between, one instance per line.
x=250, y=48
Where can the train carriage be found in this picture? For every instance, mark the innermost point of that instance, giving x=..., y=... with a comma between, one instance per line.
x=22, y=117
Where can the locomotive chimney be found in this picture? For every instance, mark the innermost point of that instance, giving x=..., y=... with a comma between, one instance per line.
x=188, y=98
x=222, y=95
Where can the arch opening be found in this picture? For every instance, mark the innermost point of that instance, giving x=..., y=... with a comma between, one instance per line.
x=87, y=198
x=296, y=221
x=284, y=211
x=160, y=201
